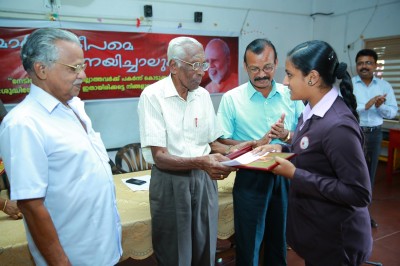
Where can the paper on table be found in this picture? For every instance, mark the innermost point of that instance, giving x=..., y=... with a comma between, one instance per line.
x=134, y=187
x=246, y=158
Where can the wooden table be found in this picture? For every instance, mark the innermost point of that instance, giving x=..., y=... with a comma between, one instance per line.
x=134, y=210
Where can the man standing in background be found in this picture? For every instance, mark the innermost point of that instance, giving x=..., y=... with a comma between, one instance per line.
x=375, y=101
x=260, y=198
x=218, y=55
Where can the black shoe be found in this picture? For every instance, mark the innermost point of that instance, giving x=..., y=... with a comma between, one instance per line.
x=374, y=224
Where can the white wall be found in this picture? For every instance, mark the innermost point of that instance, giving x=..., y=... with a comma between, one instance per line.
x=354, y=21
x=285, y=30
x=285, y=22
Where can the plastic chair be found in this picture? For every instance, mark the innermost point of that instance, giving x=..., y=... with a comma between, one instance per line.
x=130, y=159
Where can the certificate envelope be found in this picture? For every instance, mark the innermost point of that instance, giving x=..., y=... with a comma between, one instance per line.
x=266, y=162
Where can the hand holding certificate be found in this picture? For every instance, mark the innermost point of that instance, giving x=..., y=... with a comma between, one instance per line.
x=245, y=158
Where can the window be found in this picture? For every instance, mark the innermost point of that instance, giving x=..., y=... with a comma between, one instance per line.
x=388, y=50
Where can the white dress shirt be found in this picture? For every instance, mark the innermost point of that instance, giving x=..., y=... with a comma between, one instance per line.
x=48, y=154
x=185, y=128
x=374, y=116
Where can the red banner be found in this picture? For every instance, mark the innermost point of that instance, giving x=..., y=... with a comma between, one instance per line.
x=120, y=64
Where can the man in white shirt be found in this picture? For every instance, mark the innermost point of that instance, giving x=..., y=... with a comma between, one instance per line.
x=375, y=101
x=57, y=164
x=178, y=131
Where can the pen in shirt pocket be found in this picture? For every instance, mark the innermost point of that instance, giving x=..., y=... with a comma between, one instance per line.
x=196, y=121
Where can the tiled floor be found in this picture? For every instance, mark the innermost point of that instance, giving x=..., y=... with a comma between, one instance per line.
x=385, y=209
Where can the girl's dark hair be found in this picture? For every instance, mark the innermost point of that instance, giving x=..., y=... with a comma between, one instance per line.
x=320, y=56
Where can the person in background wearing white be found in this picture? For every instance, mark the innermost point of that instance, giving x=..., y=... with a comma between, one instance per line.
x=375, y=101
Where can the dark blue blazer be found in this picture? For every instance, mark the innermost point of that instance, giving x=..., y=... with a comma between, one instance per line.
x=328, y=220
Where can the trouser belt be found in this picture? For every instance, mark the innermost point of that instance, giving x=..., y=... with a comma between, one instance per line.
x=370, y=129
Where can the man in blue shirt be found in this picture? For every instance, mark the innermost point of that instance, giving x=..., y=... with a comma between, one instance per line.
x=375, y=101
x=260, y=110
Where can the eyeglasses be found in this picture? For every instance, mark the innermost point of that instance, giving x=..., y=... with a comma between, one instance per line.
x=267, y=68
x=368, y=63
x=197, y=65
x=77, y=69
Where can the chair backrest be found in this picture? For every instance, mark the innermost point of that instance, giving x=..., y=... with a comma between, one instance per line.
x=130, y=159
x=114, y=168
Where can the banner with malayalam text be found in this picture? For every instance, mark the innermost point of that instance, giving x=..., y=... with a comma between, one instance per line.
x=120, y=64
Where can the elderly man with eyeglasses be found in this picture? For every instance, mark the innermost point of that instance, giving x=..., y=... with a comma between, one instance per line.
x=178, y=131
x=375, y=101
x=259, y=110
x=57, y=164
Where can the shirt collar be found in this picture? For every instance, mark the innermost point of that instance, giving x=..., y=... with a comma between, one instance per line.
x=170, y=90
x=359, y=80
x=251, y=91
x=45, y=99
x=322, y=106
